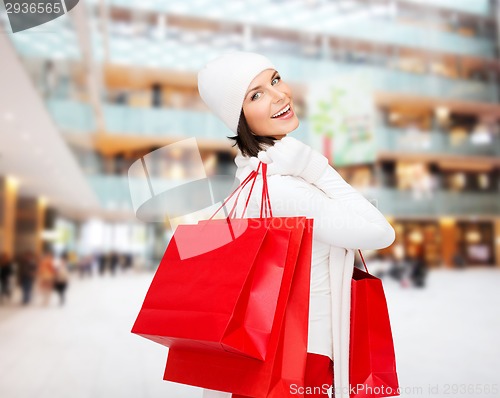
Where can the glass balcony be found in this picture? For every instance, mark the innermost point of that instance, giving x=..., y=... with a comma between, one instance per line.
x=442, y=203
x=353, y=20
x=479, y=7
x=168, y=122
x=392, y=139
x=389, y=80
x=113, y=193
x=75, y=117
x=175, y=56
x=72, y=116
x=410, y=36
x=124, y=119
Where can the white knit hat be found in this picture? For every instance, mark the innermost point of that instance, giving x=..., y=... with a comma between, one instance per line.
x=223, y=82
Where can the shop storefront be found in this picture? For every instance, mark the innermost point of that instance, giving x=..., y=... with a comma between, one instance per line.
x=449, y=243
x=420, y=238
x=475, y=242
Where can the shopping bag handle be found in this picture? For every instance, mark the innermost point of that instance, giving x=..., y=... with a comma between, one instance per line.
x=265, y=203
x=362, y=259
x=238, y=188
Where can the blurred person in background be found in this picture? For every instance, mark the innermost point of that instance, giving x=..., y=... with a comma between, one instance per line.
x=400, y=265
x=6, y=269
x=401, y=270
x=418, y=272
x=114, y=260
x=72, y=260
x=46, y=275
x=50, y=79
x=458, y=260
x=128, y=261
x=61, y=277
x=85, y=266
x=27, y=271
x=102, y=260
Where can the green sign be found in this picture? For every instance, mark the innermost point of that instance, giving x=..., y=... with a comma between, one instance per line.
x=341, y=115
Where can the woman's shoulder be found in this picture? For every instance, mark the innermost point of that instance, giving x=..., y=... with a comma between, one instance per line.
x=283, y=180
x=286, y=186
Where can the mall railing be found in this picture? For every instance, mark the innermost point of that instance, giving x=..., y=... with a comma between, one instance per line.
x=380, y=78
x=409, y=36
x=357, y=23
x=386, y=79
x=77, y=117
x=438, y=203
x=162, y=121
x=171, y=55
x=72, y=116
x=479, y=7
x=392, y=139
x=113, y=192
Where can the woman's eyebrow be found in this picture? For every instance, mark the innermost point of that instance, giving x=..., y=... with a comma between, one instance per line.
x=257, y=87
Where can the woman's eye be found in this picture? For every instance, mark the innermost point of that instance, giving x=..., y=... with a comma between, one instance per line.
x=277, y=78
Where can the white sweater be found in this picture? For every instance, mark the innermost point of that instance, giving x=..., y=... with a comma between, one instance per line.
x=344, y=221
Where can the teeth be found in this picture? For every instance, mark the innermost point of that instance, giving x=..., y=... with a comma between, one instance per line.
x=282, y=111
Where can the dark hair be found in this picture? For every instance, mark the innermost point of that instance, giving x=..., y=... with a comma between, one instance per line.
x=249, y=143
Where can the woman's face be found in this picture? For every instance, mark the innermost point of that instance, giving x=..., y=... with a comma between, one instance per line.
x=267, y=96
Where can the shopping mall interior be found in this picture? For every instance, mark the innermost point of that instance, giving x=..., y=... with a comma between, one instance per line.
x=107, y=85
x=410, y=118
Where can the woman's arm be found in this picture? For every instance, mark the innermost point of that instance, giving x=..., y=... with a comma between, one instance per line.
x=302, y=182
x=344, y=218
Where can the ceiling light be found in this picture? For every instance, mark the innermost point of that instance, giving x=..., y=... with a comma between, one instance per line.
x=473, y=236
x=442, y=112
x=12, y=182
x=447, y=221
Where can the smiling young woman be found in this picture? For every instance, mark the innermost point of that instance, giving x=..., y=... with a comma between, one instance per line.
x=246, y=91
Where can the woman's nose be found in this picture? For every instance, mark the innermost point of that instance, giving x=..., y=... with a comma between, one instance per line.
x=278, y=94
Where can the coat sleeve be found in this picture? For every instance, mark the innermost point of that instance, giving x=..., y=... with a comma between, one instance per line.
x=342, y=216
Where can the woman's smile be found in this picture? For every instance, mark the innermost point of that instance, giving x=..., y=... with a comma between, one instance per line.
x=284, y=114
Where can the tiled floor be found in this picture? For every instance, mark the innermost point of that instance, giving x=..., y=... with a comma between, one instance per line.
x=445, y=335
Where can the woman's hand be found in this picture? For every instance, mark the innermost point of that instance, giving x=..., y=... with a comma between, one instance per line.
x=290, y=156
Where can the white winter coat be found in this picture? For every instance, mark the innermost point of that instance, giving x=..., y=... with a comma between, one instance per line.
x=344, y=221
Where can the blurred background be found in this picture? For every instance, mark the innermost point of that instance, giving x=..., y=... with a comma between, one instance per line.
x=403, y=97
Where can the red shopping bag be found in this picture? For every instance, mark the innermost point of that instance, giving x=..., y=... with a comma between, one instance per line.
x=284, y=366
x=223, y=296
x=372, y=362
x=290, y=362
